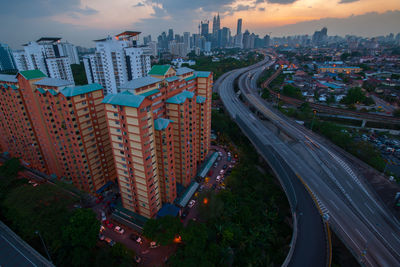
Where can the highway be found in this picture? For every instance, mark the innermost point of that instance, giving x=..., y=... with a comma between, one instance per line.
x=363, y=223
x=310, y=244
x=15, y=252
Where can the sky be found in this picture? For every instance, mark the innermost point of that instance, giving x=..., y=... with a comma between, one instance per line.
x=82, y=21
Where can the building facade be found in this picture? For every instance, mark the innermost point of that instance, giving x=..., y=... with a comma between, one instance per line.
x=6, y=58
x=117, y=60
x=160, y=128
x=57, y=128
x=48, y=55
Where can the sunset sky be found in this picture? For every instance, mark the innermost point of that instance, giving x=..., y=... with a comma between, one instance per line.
x=81, y=21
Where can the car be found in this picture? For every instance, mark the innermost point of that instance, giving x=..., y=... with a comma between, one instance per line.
x=109, y=241
x=218, y=178
x=101, y=236
x=138, y=259
x=154, y=244
x=184, y=214
x=224, y=167
x=103, y=216
x=201, y=188
x=108, y=224
x=136, y=238
x=215, y=164
x=119, y=230
x=220, y=153
x=229, y=159
x=102, y=229
x=191, y=203
x=221, y=171
x=219, y=158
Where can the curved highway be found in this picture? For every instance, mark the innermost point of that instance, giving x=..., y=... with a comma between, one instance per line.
x=309, y=243
x=363, y=223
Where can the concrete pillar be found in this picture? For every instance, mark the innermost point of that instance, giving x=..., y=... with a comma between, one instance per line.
x=363, y=123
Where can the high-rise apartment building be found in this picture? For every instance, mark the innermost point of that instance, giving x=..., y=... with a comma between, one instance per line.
x=160, y=129
x=48, y=55
x=57, y=128
x=117, y=60
x=6, y=58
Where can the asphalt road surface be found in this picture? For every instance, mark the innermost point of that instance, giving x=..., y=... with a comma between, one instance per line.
x=363, y=223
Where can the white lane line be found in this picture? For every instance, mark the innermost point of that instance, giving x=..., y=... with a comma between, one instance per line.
x=17, y=250
x=396, y=237
x=333, y=203
x=362, y=236
x=347, y=182
x=365, y=203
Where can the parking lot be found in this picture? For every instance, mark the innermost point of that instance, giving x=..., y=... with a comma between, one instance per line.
x=215, y=181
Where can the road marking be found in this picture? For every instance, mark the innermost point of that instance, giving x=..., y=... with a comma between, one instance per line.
x=333, y=203
x=365, y=203
x=347, y=182
x=362, y=236
x=396, y=237
x=17, y=250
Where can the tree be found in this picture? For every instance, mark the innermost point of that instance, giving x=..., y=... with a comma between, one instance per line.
x=354, y=95
x=79, y=74
x=396, y=113
x=163, y=230
x=10, y=168
x=291, y=91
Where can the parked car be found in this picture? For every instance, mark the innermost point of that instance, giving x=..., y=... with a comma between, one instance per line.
x=103, y=216
x=108, y=224
x=154, y=244
x=221, y=171
x=101, y=236
x=224, y=167
x=215, y=164
x=191, y=203
x=102, y=228
x=218, y=178
x=119, y=230
x=229, y=158
x=138, y=259
x=136, y=238
x=109, y=241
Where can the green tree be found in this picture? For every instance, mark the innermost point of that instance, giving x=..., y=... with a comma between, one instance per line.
x=79, y=74
x=354, y=95
x=11, y=167
x=291, y=91
x=396, y=113
x=163, y=230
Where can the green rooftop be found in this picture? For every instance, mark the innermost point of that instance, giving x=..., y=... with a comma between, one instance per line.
x=151, y=92
x=203, y=74
x=161, y=124
x=32, y=74
x=124, y=99
x=159, y=70
x=200, y=99
x=180, y=98
x=79, y=90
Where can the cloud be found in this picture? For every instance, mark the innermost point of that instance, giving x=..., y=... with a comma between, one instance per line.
x=282, y=2
x=261, y=9
x=347, y=1
x=138, y=4
x=87, y=11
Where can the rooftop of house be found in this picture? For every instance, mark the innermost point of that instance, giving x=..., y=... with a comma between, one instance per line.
x=124, y=99
x=139, y=82
x=161, y=124
x=32, y=74
x=53, y=82
x=159, y=70
x=8, y=78
x=180, y=98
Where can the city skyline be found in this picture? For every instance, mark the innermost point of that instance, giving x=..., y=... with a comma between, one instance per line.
x=80, y=22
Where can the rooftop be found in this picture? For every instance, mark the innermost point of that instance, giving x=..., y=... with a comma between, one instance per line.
x=152, y=92
x=124, y=99
x=159, y=70
x=180, y=98
x=172, y=79
x=184, y=70
x=53, y=82
x=203, y=74
x=139, y=82
x=8, y=78
x=200, y=99
x=82, y=89
x=161, y=124
x=32, y=74
x=47, y=39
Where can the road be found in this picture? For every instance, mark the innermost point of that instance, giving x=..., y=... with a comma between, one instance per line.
x=16, y=252
x=310, y=246
x=362, y=222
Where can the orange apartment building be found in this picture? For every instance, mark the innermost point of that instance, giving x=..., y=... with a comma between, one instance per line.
x=160, y=128
x=63, y=130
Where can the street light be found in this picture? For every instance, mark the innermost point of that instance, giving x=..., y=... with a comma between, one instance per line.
x=44, y=245
x=312, y=123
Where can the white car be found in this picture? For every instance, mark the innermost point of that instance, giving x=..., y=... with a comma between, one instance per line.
x=229, y=154
x=191, y=203
x=221, y=171
x=218, y=178
x=220, y=153
x=119, y=230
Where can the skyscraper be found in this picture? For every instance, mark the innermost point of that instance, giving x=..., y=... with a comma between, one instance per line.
x=117, y=60
x=170, y=34
x=239, y=27
x=204, y=28
x=186, y=41
x=6, y=58
x=216, y=25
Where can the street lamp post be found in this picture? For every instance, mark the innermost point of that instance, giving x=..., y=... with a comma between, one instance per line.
x=44, y=245
x=312, y=123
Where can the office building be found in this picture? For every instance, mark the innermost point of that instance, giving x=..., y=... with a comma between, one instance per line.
x=204, y=28
x=160, y=129
x=6, y=58
x=216, y=25
x=56, y=128
x=117, y=60
x=48, y=55
x=239, y=27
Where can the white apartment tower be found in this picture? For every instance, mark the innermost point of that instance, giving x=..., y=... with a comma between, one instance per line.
x=117, y=60
x=50, y=56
